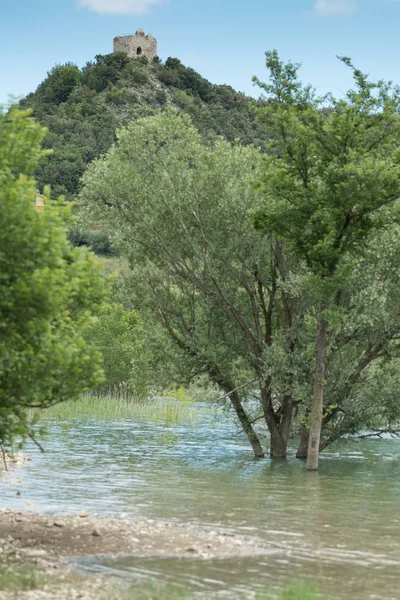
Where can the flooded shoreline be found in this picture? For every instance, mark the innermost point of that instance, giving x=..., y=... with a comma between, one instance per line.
x=58, y=545
x=338, y=530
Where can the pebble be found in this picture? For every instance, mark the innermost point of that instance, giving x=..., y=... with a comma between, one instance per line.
x=35, y=552
x=96, y=532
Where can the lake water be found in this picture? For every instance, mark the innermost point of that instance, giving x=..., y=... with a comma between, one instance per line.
x=339, y=528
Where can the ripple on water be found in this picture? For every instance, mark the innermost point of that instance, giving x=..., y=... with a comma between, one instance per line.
x=339, y=527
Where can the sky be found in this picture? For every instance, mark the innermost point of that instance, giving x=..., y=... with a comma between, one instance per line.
x=224, y=40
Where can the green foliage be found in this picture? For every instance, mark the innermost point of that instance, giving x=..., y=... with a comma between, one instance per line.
x=180, y=214
x=21, y=579
x=107, y=69
x=118, y=335
x=164, y=164
x=140, y=77
x=96, y=238
x=119, y=405
x=48, y=289
x=60, y=82
x=83, y=109
x=332, y=168
x=330, y=184
x=119, y=96
x=157, y=591
x=161, y=97
x=179, y=210
x=299, y=592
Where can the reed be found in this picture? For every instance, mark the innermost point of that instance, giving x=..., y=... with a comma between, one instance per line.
x=21, y=579
x=154, y=591
x=168, y=409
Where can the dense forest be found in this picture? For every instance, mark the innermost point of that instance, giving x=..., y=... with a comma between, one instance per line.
x=83, y=109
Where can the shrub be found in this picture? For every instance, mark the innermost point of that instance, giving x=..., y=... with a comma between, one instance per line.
x=118, y=335
x=60, y=82
x=161, y=97
x=139, y=76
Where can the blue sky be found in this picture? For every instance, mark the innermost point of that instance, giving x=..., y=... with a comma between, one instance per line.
x=225, y=40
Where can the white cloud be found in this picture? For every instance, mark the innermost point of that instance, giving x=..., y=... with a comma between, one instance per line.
x=120, y=7
x=334, y=7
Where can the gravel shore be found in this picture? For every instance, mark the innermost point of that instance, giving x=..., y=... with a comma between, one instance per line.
x=45, y=542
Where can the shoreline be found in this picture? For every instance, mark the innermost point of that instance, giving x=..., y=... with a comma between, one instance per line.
x=49, y=545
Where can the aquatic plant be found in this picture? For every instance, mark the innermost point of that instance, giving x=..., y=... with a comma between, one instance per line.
x=156, y=591
x=113, y=407
x=24, y=578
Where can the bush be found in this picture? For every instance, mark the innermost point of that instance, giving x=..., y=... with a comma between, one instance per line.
x=60, y=82
x=118, y=335
x=49, y=292
x=140, y=77
x=107, y=68
x=120, y=96
x=161, y=97
x=97, y=239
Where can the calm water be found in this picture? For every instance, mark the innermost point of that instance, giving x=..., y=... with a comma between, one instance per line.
x=339, y=528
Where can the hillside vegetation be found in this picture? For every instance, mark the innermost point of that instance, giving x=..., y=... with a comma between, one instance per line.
x=83, y=108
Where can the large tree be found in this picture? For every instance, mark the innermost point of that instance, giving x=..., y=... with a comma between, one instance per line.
x=238, y=305
x=331, y=179
x=48, y=290
x=180, y=212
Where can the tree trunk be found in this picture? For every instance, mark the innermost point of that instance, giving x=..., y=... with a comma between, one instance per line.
x=278, y=446
x=247, y=426
x=280, y=431
x=302, y=450
x=318, y=396
x=278, y=426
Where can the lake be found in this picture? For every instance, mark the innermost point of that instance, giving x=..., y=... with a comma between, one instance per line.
x=339, y=528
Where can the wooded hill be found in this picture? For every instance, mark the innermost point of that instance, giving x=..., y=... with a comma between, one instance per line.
x=83, y=108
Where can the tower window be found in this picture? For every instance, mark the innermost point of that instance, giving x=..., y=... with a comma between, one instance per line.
x=139, y=51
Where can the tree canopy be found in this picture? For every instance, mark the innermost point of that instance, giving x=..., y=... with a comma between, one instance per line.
x=49, y=291
x=180, y=212
x=242, y=306
x=331, y=180
x=83, y=108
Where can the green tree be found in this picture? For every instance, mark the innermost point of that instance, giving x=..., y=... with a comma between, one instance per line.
x=83, y=109
x=180, y=214
x=330, y=182
x=60, y=82
x=49, y=291
x=118, y=335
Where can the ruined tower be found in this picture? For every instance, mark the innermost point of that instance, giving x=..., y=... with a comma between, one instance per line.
x=136, y=45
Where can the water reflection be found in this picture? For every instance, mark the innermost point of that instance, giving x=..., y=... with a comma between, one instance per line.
x=340, y=527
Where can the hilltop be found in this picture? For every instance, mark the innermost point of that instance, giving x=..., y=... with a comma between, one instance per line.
x=83, y=108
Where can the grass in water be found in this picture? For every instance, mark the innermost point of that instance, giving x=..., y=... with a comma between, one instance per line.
x=297, y=593
x=20, y=579
x=151, y=591
x=168, y=410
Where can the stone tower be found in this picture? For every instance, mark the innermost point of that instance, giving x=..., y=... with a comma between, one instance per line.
x=136, y=45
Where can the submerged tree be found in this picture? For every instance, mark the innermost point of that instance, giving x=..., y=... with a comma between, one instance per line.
x=48, y=290
x=180, y=213
x=330, y=182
